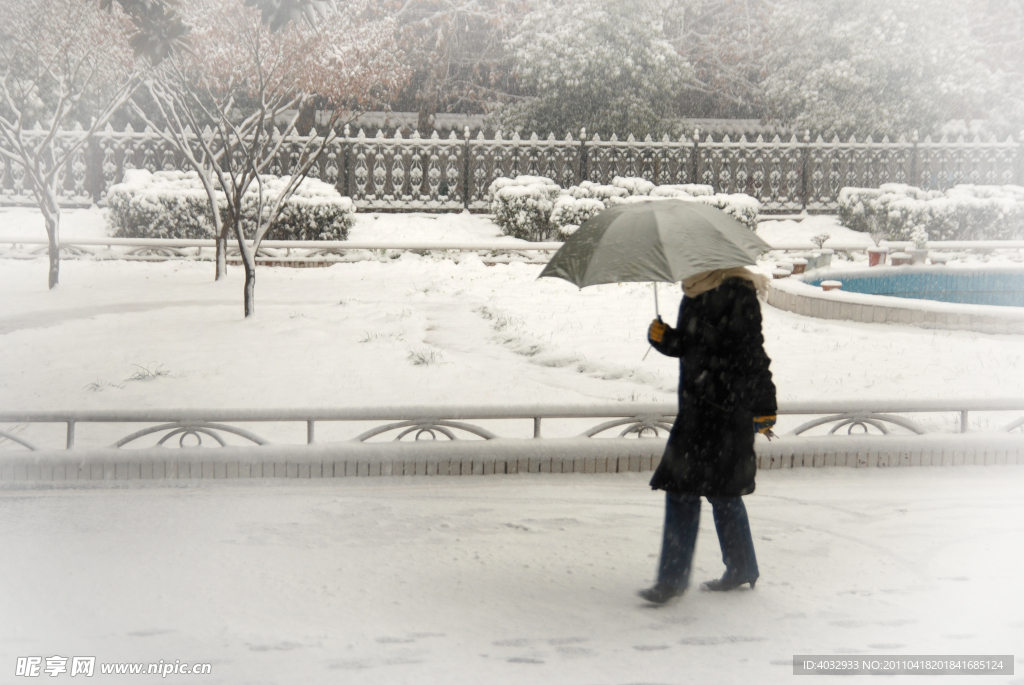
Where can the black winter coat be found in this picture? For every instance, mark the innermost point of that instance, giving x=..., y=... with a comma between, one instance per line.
x=724, y=383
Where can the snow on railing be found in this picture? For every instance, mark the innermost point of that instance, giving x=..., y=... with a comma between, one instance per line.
x=465, y=440
x=312, y=252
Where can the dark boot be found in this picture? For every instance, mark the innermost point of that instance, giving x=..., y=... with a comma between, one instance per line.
x=660, y=593
x=724, y=585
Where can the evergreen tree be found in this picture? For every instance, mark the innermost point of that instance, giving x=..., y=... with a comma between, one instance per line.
x=601, y=64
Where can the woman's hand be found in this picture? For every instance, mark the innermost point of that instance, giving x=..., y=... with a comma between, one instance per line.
x=764, y=424
x=656, y=331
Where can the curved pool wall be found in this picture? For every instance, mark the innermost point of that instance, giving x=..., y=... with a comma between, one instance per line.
x=904, y=303
x=1001, y=287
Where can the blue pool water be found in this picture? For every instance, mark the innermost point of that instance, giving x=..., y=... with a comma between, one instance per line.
x=1002, y=287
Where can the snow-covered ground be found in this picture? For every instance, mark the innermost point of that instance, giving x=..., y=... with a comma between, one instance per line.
x=791, y=231
x=510, y=579
x=518, y=579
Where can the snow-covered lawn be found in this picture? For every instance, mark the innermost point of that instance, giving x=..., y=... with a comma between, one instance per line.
x=510, y=579
x=351, y=334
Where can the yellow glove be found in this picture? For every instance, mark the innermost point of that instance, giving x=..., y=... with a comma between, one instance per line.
x=656, y=333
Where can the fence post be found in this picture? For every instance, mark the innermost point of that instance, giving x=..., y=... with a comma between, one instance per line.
x=94, y=181
x=804, y=165
x=696, y=154
x=344, y=165
x=1020, y=158
x=583, y=156
x=915, y=178
x=465, y=170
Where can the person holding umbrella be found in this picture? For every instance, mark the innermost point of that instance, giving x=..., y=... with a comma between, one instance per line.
x=726, y=391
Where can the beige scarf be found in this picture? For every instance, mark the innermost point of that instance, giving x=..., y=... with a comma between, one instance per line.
x=709, y=280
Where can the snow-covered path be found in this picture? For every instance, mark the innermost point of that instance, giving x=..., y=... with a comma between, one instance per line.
x=517, y=579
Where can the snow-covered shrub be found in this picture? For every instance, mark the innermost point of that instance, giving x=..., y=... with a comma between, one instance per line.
x=858, y=210
x=315, y=211
x=741, y=207
x=965, y=212
x=522, y=180
x=167, y=204
x=174, y=204
x=535, y=208
x=682, y=190
x=633, y=184
x=589, y=189
x=569, y=212
x=919, y=236
x=522, y=206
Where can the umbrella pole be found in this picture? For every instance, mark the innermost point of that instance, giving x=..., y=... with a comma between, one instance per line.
x=656, y=312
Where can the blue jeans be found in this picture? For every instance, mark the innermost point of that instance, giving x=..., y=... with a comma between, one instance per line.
x=682, y=518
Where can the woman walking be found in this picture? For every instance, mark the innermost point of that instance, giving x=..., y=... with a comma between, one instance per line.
x=726, y=393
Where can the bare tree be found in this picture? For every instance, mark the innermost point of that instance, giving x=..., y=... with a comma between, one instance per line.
x=55, y=56
x=230, y=103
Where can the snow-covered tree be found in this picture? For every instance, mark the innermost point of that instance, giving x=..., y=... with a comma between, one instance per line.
x=159, y=29
x=872, y=66
x=602, y=64
x=456, y=53
x=56, y=56
x=726, y=43
x=230, y=103
x=998, y=27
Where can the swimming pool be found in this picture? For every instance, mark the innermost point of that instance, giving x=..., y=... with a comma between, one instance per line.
x=1000, y=286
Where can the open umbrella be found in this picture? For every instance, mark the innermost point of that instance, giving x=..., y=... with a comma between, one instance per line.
x=657, y=240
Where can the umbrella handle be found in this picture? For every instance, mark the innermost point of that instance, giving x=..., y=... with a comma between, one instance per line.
x=656, y=312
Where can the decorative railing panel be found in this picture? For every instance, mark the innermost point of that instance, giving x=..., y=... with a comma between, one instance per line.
x=449, y=174
x=405, y=173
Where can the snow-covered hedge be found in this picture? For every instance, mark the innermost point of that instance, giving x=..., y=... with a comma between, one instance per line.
x=522, y=206
x=535, y=208
x=174, y=204
x=691, y=189
x=167, y=204
x=635, y=186
x=964, y=212
x=743, y=208
x=570, y=212
x=596, y=191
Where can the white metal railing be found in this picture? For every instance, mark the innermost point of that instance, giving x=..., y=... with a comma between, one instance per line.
x=411, y=423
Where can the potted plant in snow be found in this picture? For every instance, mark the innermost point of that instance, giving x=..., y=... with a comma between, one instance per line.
x=919, y=251
x=823, y=257
x=877, y=254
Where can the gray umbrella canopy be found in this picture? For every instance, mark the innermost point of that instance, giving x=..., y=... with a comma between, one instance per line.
x=657, y=240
